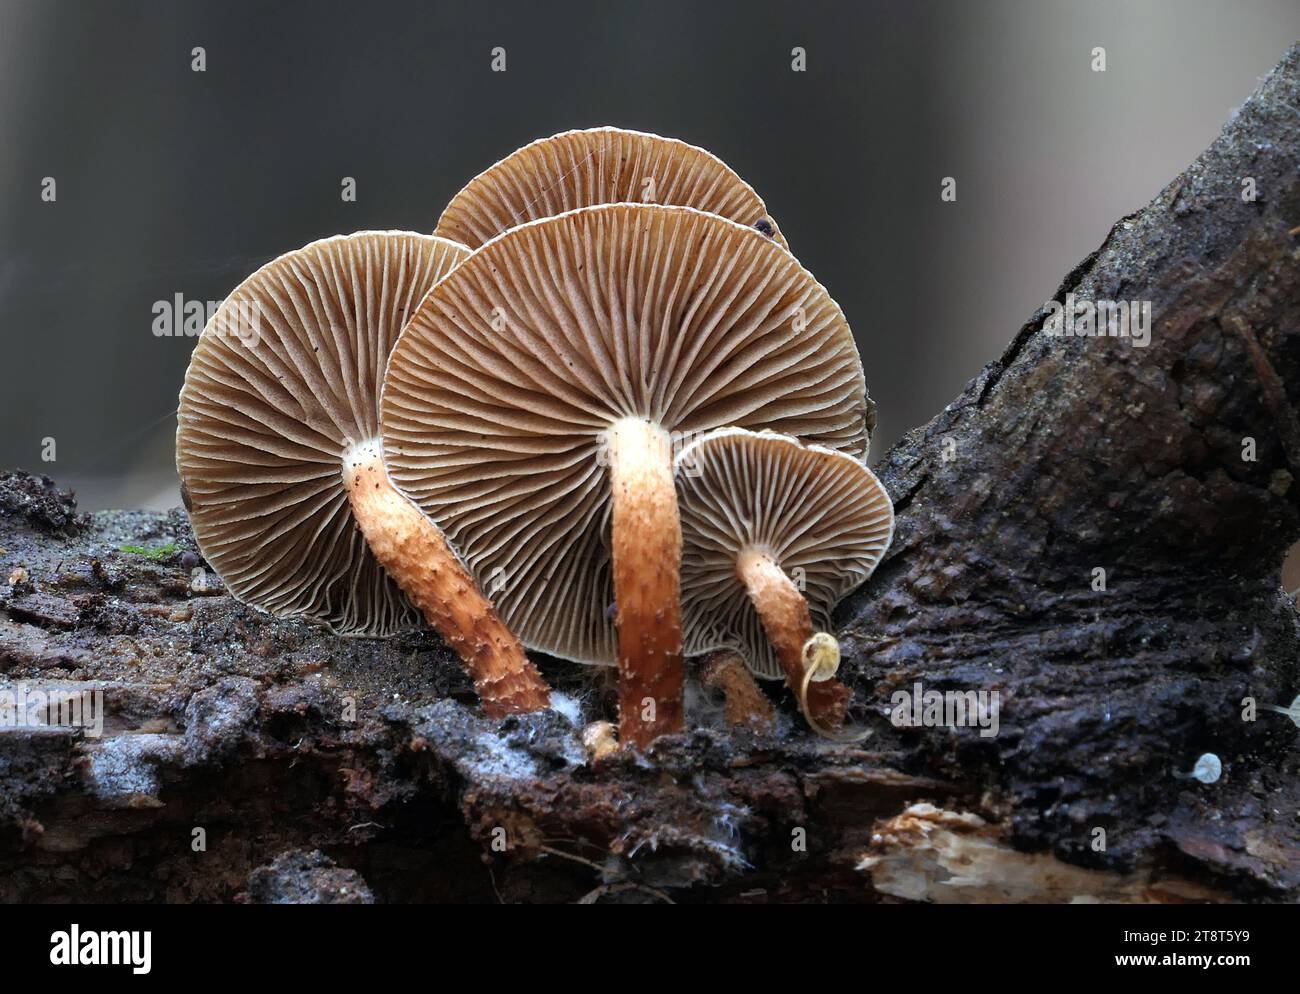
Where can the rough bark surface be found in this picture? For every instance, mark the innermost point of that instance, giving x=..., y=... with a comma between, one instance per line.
x=1063, y=456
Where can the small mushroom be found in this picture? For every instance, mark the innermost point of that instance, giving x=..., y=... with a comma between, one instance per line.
x=533, y=403
x=278, y=448
x=775, y=533
x=1208, y=769
x=599, y=166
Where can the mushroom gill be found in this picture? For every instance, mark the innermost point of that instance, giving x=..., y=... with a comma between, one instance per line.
x=278, y=447
x=534, y=401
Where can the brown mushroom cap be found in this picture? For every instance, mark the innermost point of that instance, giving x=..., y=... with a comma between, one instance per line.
x=821, y=515
x=285, y=379
x=506, y=382
x=598, y=166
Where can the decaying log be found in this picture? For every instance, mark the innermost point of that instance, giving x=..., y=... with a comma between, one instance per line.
x=289, y=748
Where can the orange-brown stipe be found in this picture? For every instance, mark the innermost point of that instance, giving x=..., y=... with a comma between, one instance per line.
x=647, y=554
x=416, y=555
x=744, y=703
x=788, y=624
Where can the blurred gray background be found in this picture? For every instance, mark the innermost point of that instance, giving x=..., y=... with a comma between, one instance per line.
x=172, y=181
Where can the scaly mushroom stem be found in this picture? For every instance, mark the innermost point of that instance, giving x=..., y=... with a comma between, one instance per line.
x=415, y=554
x=647, y=553
x=744, y=703
x=788, y=624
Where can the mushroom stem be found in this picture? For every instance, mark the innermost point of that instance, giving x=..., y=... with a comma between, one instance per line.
x=647, y=554
x=788, y=624
x=415, y=554
x=725, y=672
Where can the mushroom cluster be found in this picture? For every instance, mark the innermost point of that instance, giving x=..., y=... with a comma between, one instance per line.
x=603, y=413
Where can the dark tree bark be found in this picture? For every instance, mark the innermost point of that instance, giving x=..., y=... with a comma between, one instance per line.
x=1069, y=454
x=1063, y=456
